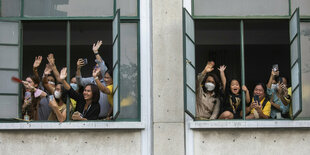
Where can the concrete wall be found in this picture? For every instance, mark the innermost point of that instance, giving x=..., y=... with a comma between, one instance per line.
x=168, y=118
x=70, y=142
x=252, y=141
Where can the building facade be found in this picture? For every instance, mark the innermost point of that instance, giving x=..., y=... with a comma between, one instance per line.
x=156, y=48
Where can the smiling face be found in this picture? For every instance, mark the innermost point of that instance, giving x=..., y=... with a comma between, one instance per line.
x=108, y=79
x=234, y=87
x=259, y=91
x=87, y=93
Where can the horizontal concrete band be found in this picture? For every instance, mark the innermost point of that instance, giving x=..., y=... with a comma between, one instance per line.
x=250, y=124
x=71, y=125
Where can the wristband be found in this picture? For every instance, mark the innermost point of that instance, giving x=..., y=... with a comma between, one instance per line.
x=96, y=53
x=96, y=78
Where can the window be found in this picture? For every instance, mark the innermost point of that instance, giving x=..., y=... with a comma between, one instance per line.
x=61, y=29
x=241, y=45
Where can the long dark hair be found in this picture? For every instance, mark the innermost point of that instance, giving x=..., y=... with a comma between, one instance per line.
x=95, y=91
x=217, y=84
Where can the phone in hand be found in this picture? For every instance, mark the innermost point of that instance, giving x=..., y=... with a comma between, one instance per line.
x=280, y=79
x=50, y=98
x=256, y=99
x=85, y=61
x=275, y=67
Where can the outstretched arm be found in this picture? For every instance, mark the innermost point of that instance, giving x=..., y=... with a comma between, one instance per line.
x=63, y=75
x=101, y=87
x=36, y=64
x=61, y=116
x=51, y=60
x=207, y=69
x=271, y=78
x=46, y=85
x=223, y=77
x=247, y=94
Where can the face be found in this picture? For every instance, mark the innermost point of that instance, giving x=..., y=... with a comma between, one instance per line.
x=58, y=88
x=210, y=79
x=259, y=91
x=108, y=79
x=234, y=87
x=87, y=93
x=284, y=81
x=50, y=78
x=29, y=80
x=73, y=80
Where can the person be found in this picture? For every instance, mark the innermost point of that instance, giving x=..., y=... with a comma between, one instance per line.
x=33, y=96
x=232, y=104
x=278, y=93
x=87, y=105
x=103, y=101
x=261, y=107
x=108, y=79
x=207, y=94
x=44, y=109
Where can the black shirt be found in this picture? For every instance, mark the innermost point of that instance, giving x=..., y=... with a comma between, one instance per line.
x=93, y=109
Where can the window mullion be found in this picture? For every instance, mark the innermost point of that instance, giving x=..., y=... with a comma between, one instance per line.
x=242, y=68
x=68, y=67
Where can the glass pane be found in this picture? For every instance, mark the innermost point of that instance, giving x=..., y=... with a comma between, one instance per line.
x=58, y=8
x=115, y=102
x=294, y=51
x=190, y=76
x=303, y=6
x=115, y=77
x=8, y=106
x=293, y=26
x=129, y=71
x=9, y=57
x=295, y=76
x=190, y=51
x=240, y=7
x=191, y=101
x=9, y=32
x=115, y=27
x=115, y=52
x=190, y=26
x=305, y=65
x=10, y=8
x=296, y=101
x=6, y=85
x=128, y=7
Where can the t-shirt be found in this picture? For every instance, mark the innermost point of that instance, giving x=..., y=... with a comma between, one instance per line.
x=110, y=96
x=53, y=116
x=266, y=110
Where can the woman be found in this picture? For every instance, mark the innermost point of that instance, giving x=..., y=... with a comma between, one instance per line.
x=207, y=97
x=232, y=97
x=108, y=89
x=87, y=105
x=261, y=107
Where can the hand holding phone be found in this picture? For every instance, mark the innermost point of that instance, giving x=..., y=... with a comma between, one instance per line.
x=256, y=99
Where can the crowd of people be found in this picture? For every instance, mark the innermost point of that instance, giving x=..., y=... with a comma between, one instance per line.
x=91, y=98
x=218, y=98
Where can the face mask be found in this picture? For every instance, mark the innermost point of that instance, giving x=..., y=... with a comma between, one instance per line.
x=210, y=86
x=274, y=86
x=51, y=82
x=57, y=94
x=74, y=86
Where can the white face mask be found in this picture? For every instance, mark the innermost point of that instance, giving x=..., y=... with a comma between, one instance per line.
x=274, y=86
x=57, y=94
x=210, y=86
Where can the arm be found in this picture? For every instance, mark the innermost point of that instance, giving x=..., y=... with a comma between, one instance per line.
x=283, y=93
x=247, y=94
x=262, y=114
x=101, y=87
x=207, y=69
x=72, y=94
x=272, y=76
x=216, y=110
x=61, y=116
x=223, y=77
x=81, y=81
x=36, y=64
x=46, y=85
x=51, y=60
x=99, y=60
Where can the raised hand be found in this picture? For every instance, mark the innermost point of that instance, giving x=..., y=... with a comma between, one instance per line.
x=27, y=85
x=96, y=72
x=222, y=68
x=209, y=67
x=80, y=63
x=48, y=69
x=51, y=59
x=96, y=46
x=63, y=73
x=37, y=61
x=244, y=88
x=275, y=73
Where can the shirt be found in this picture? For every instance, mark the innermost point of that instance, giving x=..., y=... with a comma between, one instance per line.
x=283, y=108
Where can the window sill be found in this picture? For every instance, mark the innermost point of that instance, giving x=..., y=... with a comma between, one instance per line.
x=230, y=124
x=71, y=125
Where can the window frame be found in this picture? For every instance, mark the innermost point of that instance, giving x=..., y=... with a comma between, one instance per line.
x=269, y=123
x=121, y=123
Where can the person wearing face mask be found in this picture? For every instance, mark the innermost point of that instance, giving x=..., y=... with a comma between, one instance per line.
x=278, y=94
x=232, y=104
x=207, y=94
x=58, y=105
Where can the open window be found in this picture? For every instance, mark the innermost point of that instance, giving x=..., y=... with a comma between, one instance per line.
x=9, y=66
x=266, y=42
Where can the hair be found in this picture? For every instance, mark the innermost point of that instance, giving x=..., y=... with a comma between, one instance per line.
x=264, y=87
x=34, y=79
x=63, y=94
x=95, y=91
x=217, y=84
x=110, y=72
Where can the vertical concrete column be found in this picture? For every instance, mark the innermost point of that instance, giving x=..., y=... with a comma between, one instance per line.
x=168, y=105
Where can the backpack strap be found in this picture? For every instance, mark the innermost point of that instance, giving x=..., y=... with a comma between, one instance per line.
x=264, y=103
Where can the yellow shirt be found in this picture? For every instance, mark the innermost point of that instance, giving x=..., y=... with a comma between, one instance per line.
x=110, y=96
x=267, y=108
